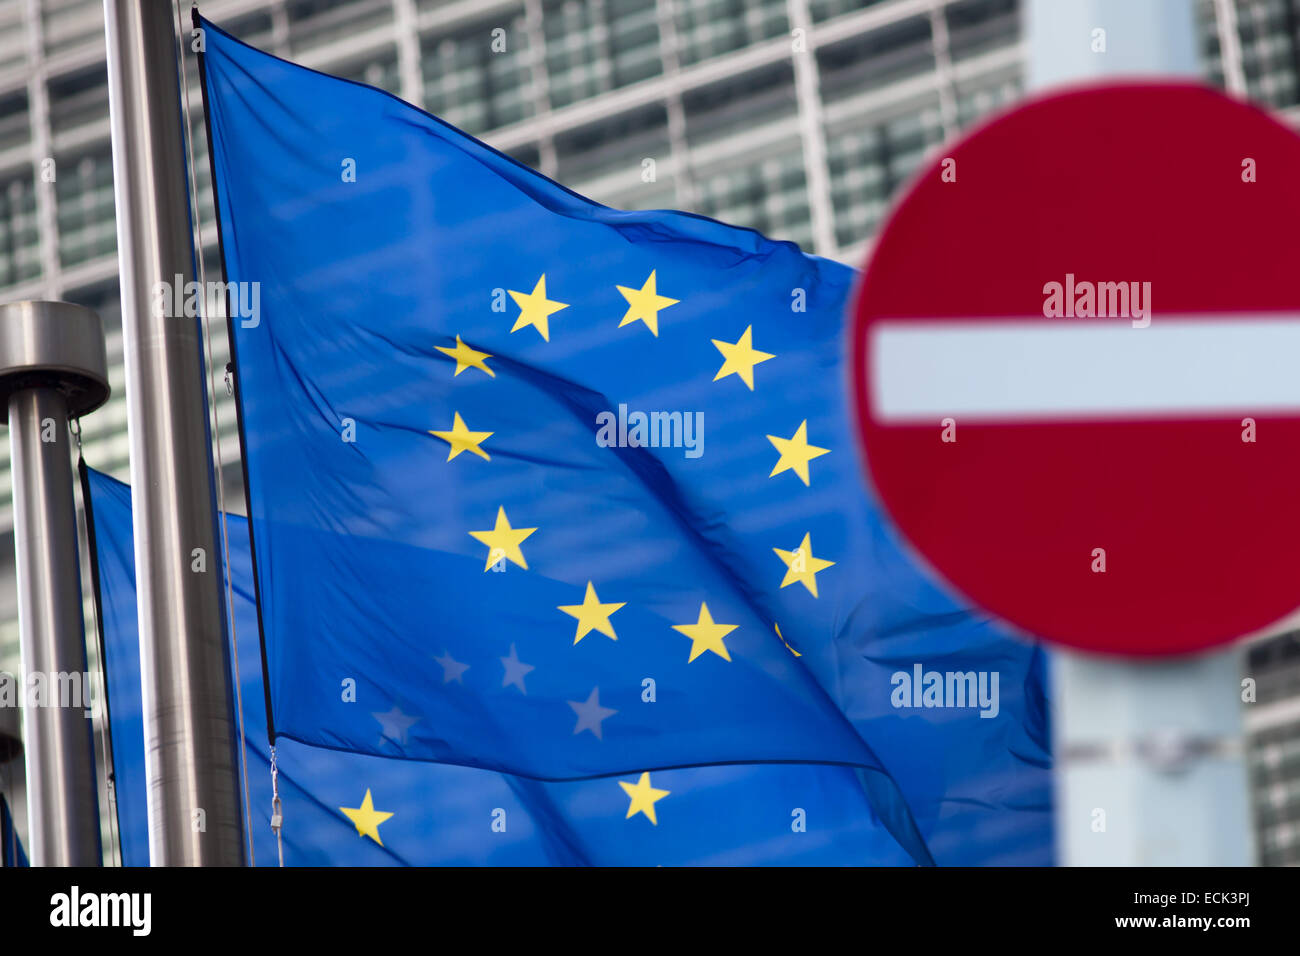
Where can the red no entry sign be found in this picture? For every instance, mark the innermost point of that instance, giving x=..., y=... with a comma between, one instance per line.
x=1077, y=368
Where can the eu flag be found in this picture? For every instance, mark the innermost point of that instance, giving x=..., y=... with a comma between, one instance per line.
x=565, y=491
x=429, y=814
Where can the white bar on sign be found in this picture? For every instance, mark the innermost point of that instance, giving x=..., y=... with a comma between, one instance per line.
x=1051, y=369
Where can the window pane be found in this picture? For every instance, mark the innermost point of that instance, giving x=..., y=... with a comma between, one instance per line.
x=707, y=28
x=768, y=194
x=827, y=9
x=615, y=149
x=896, y=52
x=1269, y=37
x=314, y=23
x=633, y=40
x=79, y=99
x=575, y=60
x=84, y=190
x=978, y=26
x=868, y=162
x=71, y=23
x=726, y=110
x=480, y=77
x=378, y=69
x=977, y=98
x=15, y=126
x=20, y=254
x=13, y=35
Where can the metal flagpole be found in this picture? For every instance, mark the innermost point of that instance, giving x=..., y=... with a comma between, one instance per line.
x=1149, y=756
x=190, y=754
x=52, y=366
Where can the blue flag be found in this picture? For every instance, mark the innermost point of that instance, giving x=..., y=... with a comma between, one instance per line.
x=432, y=814
x=565, y=491
x=11, y=848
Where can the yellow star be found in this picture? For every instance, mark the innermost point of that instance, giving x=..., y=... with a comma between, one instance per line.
x=467, y=357
x=796, y=453
x=785, y=642
x=592, y=615
x=802, y=566
x=503, y=541
x=462, y=439
x=366, y=818
x=741, y=357
x=705, y=635
x=643, y=797
x=644, y=304
x=534, y=308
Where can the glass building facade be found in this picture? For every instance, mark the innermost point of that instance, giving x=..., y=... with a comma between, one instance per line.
x=799, y=118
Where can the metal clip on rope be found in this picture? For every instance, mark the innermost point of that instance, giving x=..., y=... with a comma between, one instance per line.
x=277, y=815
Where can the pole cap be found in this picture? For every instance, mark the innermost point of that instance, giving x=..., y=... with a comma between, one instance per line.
x=53, y=345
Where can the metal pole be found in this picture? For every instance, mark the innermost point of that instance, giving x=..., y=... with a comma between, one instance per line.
x=52, y=365
x=1152, y=38
x=190, y=756
x=60, y=744
x=1150, y=763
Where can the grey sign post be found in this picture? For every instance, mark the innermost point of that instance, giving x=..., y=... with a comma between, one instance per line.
x=1150, y=763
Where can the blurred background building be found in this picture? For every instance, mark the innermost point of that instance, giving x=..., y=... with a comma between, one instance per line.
x=800, y=118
